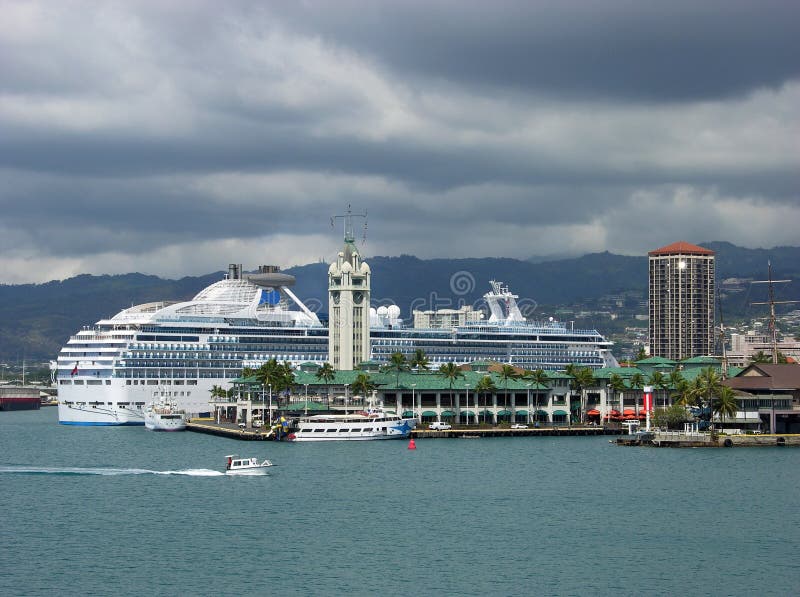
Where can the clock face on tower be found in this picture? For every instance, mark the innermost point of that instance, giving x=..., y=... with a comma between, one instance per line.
x=335, y=297
x=358, y=297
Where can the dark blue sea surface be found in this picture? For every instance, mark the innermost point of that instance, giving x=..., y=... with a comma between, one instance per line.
x=124, y=511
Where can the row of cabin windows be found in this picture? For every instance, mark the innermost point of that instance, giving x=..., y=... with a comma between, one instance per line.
x=345, y=430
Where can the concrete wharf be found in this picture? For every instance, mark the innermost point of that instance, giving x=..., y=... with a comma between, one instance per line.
x=680, y=439
x=234, y=431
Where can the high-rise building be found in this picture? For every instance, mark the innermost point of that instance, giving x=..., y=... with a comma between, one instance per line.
x=348, y=307
x=681, y=301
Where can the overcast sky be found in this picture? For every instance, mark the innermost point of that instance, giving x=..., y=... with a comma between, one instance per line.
x=175, y=137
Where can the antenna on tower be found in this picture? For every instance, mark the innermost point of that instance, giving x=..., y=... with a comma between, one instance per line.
x=772, y=302
x=722, y=338
x=347, y=219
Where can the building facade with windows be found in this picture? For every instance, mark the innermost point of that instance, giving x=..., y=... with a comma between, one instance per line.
x=681, y=301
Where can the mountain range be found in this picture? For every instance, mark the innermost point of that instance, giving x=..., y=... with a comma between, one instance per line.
x=37, y=319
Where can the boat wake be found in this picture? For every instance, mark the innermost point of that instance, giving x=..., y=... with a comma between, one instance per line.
x=106, y=472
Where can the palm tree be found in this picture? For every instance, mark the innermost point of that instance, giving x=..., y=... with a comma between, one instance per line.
x=278, y=377
x=363, y=384
x=451, y=372
x=507, y=372
x=397, y=364
x=218, y=392
x=681, y=389
x=707, y=385
x=618, y=385
x=327, y=374
x=659, y=381
x=540, y=378
x=269, y=374
x=286, y=379
x=763, y=357
x=726, y=404
x=637, y=383
x=582, y=378
x=419, y=361
x=485, y=386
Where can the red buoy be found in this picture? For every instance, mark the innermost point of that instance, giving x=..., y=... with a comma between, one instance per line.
x=411, y=444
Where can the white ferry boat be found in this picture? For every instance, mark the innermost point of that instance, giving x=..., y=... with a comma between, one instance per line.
x=246, y=466
x=178, y=351
x=372, y=424
x=164, y=416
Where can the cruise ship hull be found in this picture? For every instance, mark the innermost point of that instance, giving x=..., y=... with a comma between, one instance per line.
x=92, y=416
x=116, y=403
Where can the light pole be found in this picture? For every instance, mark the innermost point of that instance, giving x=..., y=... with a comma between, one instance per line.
x=529, y=402
x=263, y=402
x=306, y=405
x=414, y=403
x=270, y=405
x=346, y=389
x=466, y=387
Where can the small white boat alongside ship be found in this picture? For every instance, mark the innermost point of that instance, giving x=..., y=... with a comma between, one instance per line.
x=246, y=466
x=373, y=423
x=164, y=416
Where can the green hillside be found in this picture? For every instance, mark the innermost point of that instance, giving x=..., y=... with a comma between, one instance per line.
x=37, y=319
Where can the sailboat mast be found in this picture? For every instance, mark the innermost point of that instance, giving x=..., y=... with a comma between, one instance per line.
x=722, y=338
x=772, y=327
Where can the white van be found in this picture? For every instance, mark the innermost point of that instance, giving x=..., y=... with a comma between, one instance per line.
x=440, y=425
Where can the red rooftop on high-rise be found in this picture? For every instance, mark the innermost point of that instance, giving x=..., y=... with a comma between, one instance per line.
x=681, y=248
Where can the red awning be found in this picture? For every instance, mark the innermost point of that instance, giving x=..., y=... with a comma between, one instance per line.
x=593, y=413
x=629, y=411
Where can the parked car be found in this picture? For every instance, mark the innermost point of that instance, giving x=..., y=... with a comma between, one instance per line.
x=519, y=426
x=440, y=425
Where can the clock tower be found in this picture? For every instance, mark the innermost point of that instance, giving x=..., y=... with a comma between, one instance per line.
x=348, y=305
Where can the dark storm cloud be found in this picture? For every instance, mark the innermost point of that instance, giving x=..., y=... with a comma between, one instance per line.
x=623, y=49
x=167, y=136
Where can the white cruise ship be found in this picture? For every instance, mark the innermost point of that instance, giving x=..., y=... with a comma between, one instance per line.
x=178, y=351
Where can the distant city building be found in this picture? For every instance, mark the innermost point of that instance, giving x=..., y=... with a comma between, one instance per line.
x=744, y=346
x=681, y=302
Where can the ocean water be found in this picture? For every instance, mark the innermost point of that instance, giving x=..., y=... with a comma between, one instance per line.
x=124, y=511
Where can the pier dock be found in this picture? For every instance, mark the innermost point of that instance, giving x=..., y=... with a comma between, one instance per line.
x=679, y=439
x=234, y=431
x=229, y=430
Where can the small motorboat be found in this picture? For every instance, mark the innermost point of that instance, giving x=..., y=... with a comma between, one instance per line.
x=246, y=466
